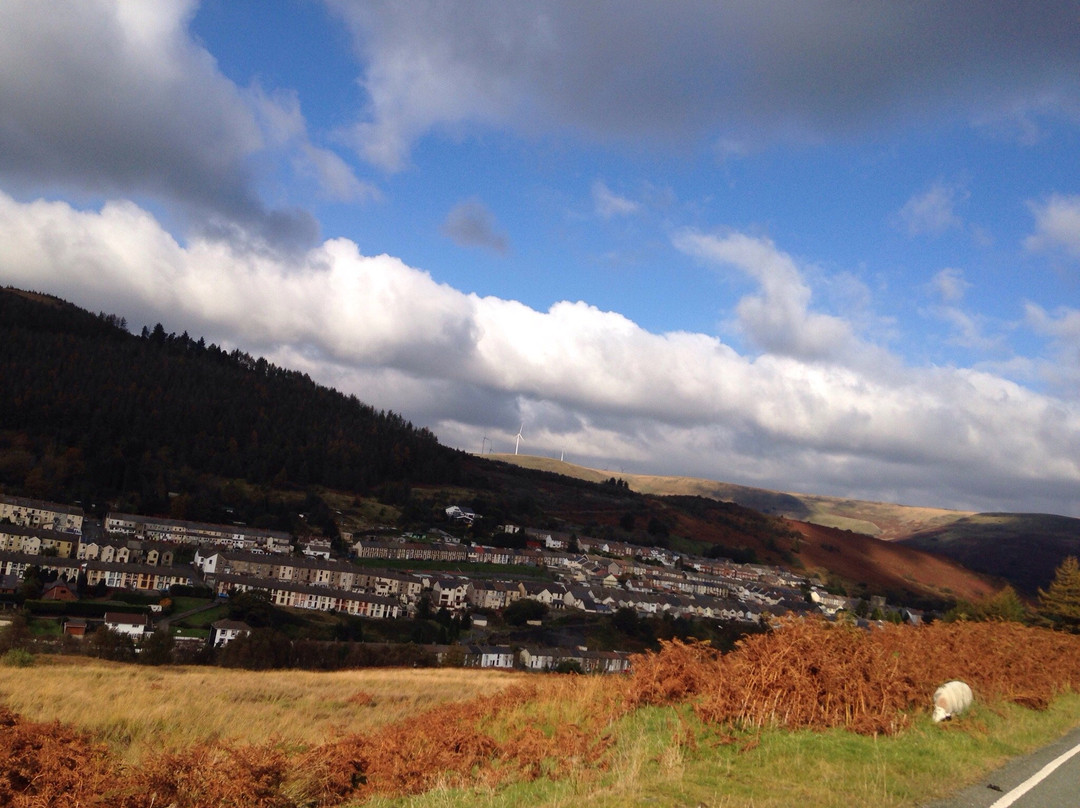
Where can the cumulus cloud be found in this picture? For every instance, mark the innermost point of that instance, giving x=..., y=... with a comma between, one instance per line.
x=471, y=224
x=589, y=382
x=737, y=74
x=1057, y=225
x=932, y=212
x=608, y=204
x=778, y=319
x=969, y=330
x=103, y=98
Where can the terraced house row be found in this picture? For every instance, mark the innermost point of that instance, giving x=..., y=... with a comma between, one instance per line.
x=320, y=598
x=142, y=577
x=176, y=531
x=39, y=514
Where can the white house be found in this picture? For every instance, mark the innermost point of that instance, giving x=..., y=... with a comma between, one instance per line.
x=222, y=632
x=489, y=656
x=133, y=625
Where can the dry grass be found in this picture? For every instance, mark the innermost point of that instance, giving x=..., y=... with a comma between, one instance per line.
x=137, y=709
x=809, y=674
x=624, y=739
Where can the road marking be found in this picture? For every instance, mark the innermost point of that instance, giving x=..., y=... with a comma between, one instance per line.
x=1035, y=779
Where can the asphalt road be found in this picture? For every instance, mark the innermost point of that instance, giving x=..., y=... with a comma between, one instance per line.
x=1048, y=778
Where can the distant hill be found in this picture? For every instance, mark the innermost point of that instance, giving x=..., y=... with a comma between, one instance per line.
x=889, y=567
x=856, y=561
x=1021, y=547
x=881, y=520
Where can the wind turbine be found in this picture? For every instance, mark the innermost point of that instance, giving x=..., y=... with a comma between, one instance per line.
x=518, y=438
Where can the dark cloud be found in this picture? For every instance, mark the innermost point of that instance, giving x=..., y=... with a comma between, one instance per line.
x=471, y=224
x=740, y=72
x=105, y=99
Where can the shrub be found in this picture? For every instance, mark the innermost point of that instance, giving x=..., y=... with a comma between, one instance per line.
x=17, y=658
x=521, y=611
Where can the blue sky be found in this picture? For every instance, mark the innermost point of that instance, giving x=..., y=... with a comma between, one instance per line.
x=814, y=246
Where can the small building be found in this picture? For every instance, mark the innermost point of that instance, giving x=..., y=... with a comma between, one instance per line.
x=75, y=627
x=59, y=590
x=489, y=656
x=455, y=513
x=9, y=583
x=223, y=632
x=134, y=625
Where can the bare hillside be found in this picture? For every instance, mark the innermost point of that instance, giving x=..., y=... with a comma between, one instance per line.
x=878, y=519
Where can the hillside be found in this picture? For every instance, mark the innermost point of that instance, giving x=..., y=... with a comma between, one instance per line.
x=90, y=412
x=887, y=566
x=879, y=519
x=1021, y=549
x=1028, y=546
x=158, y=423
x=703, y=525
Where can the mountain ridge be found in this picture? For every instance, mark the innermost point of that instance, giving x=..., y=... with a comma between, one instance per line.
x=881, y=520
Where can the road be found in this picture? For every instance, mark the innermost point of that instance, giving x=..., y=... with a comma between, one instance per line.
x=1048, y=778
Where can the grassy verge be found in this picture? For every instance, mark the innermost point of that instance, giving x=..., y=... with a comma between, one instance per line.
x=666, y=757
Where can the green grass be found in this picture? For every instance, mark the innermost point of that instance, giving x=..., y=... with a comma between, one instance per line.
x=45, y=628
x=181, y=603
x=200, y=633
x=204, y=619
x=665, y=757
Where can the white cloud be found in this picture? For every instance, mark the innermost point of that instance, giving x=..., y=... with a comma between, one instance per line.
x=608, y=204
x=950, y=284
x=1057, y=225
x=590, y=382
x=471, y=224
x=932, y=212
x=1062, y=326
x=778, y=319
x=739, y=74
x=285, y=129
x=969, y=331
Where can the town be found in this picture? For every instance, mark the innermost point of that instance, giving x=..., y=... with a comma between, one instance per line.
x=76, y=556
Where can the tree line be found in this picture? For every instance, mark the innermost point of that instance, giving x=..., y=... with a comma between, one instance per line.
x=89, y=412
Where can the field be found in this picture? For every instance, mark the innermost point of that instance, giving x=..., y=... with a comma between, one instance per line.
x=811, y=713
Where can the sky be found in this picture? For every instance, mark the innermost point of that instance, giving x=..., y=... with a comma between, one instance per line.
x=819, y=246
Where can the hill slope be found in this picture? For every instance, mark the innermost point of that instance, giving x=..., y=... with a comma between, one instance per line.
x=89, y=411
x=1026, y=548
x=888, y=567
x=861, y=563
x=879, y=519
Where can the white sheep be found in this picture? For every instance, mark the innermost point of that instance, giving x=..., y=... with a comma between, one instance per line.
x=952, y=698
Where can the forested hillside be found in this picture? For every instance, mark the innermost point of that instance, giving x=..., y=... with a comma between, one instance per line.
x=89, y=411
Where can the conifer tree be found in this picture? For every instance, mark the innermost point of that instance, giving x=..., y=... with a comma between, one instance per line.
x=1061, y=602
